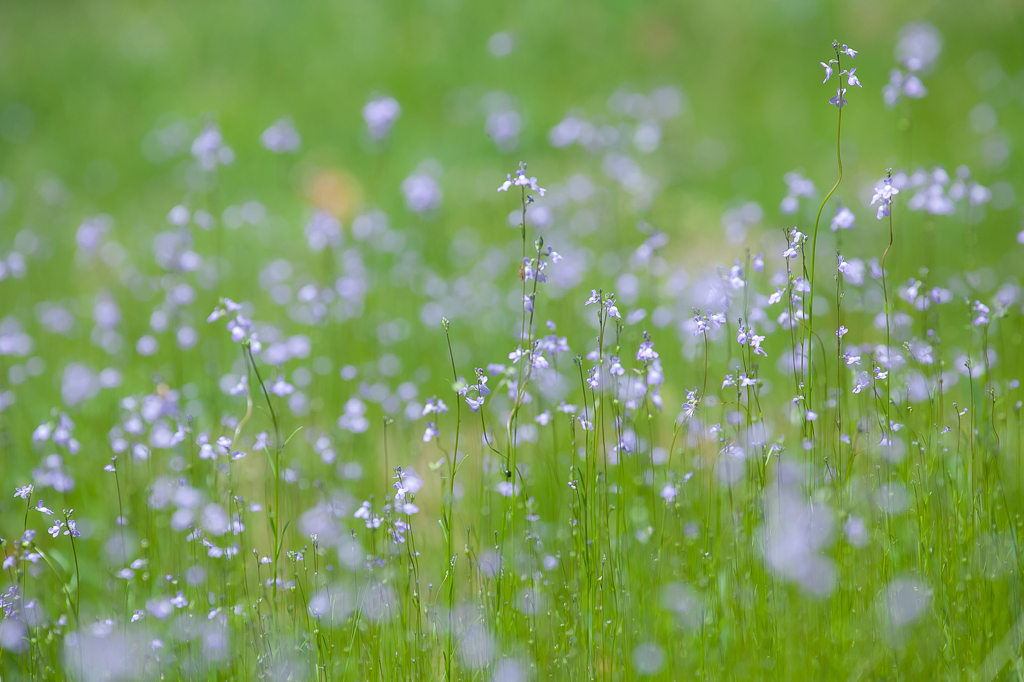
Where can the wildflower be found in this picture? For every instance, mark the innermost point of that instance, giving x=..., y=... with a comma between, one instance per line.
x=54, y=530
x=431, y=432
x=521, y=180
x=797, y=186
x=981, y=314
x=422, y=193
x=919, y=45
x=24, y=492
x=700, y=322
x=844, y=267
x=282, y=388
x=669, y=492
x=566, y=408
x=851, y=78
x=828, y=71
x=839, y=100
x=646, y=351
x=755, y=343
x=849, y=52
x=281, y=137
x=883, y=196
x=842, y=331
x=901, y=84
x=843, y=219
x=380, y=115
x=209, y=149
x=435, y=406
x=40, y=508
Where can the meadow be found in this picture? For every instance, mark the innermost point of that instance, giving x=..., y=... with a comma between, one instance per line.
x=565, y=341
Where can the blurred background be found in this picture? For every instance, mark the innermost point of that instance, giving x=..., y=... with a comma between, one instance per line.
x=639, y=117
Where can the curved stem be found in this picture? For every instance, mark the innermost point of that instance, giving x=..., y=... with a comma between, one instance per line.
x=814, y=235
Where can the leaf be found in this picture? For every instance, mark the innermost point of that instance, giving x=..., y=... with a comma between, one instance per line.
x=287, y=440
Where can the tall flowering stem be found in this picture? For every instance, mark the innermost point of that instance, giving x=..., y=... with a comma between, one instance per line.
x=449, y=507
x=273, y=515
x=839, y=101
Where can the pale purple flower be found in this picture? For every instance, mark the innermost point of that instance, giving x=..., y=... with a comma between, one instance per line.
x=281, y=137
x=755, y=343
x=646, y=352
x=422, y=193
x=839, y=100
x=851, y=78
x=901, y=84
x=323, y=230
x=281, y=388
x=828, y=71
x=435, y=406
x=380, y=115
x=431, y=432
x=843, y=219
x=918, y=46
x=884, y=194
x=521, y=180
x=981, y=314
x=209, y=149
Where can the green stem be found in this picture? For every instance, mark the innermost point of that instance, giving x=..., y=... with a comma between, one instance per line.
x=814, y=235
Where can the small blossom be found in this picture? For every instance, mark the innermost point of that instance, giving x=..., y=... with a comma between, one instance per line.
x=839, y=100
x=828, y=71
x=883, y=196
x=843, y=219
